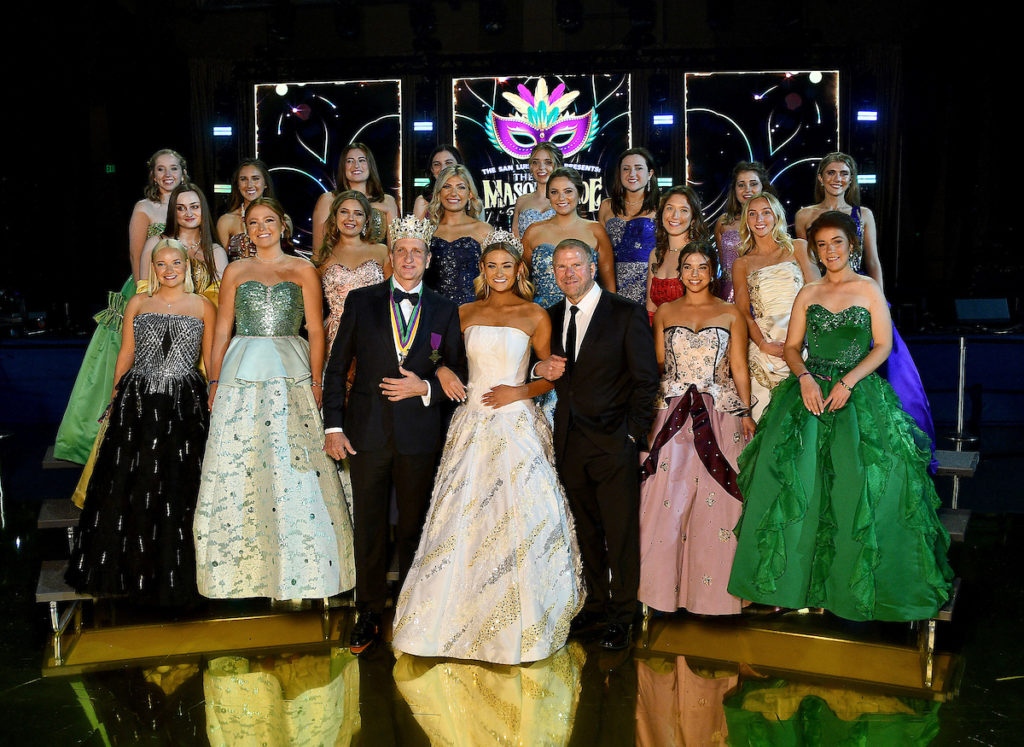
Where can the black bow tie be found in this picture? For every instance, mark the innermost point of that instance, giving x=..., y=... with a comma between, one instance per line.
x=400, y=295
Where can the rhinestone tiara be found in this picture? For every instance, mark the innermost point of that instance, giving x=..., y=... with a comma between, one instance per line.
x=409, y=227
x=501, y=236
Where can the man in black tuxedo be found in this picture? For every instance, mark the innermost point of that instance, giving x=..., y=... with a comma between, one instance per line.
x=606, y=376
x=398, y=332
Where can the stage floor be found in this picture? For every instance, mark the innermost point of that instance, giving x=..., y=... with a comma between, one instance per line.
x=247, y=673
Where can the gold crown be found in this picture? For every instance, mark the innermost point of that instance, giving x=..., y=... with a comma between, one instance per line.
x=501, y=236
x=410, y=227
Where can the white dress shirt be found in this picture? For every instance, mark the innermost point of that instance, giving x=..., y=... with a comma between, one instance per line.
x=586, y=306
x=406, y=308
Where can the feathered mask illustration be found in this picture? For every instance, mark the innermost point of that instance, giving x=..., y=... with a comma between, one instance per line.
x=540, y=119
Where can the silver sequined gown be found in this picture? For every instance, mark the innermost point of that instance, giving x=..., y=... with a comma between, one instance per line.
x=497, y=575
x=134, y=534
x=271, y=520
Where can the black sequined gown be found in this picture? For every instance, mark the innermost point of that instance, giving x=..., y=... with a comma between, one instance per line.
x=135, y=533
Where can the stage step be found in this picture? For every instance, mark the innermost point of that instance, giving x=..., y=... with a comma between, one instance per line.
x=58, y=513
x=52, y=587
x=955, y=521
x=956, y=463
x=50, y=463
x=945, y=614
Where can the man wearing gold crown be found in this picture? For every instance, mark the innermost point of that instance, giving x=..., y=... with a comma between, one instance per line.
x=399, y=332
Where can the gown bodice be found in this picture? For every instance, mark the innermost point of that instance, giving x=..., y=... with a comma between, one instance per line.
x=837, y=340
x=633, y=239
x=268, y=310
x=700, y=359
x=496, y=355
x=664, y=290
x=155, y=229
x=240, y=247
x=339, y=281
x=545, y=290
x=166, y=345
x=529, y=216
x=774, y=288
x=454, y=265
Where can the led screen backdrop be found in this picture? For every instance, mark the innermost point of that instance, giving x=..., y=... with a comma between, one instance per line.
x=785, y=120
x=497, y=121
x=301, y=129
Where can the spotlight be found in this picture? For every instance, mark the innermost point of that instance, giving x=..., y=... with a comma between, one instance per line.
x=663, y=119
x=867, y=116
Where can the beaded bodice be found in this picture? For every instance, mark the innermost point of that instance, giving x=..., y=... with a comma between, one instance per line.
x=166, y=345
x=240, y=247
x=529, y=216
x=454, y=266
x=632, y=240
x=700, y=359
x=378, y=227
x=201, y=276
x=837, y=340
x=268, y=310
x=664, y=290
x=542, y=275
x=339, y=281
x=773, y=288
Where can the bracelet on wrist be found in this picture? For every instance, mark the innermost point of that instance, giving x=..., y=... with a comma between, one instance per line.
x=214, y=381
x=848, y=387
x=805, y=373
x=317, y=384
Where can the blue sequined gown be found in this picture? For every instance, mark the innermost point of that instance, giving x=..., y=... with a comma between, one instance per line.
x=134, y=535
x=272, y=520
x=454, y=265
x=529, y=216
x=632, y=243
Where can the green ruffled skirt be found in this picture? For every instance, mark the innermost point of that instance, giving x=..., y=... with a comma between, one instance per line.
x=839, y=509
x=91, y=393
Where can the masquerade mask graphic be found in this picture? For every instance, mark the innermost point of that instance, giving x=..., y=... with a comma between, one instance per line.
x=540, y=120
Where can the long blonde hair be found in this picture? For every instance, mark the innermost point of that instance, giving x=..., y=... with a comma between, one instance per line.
x=154, y=282
x=522, y=287
x=779, y=235
x=474, y=206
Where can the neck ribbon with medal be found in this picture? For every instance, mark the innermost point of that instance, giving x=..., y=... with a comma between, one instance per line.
x=404, y=331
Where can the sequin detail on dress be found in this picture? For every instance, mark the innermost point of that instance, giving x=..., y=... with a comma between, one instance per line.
x=632, y=243
x=727, y=253
x=272, y=520
x=134, y=534
x=454, y=265
x=338, y=281
x=542, y=275
x=529, y=216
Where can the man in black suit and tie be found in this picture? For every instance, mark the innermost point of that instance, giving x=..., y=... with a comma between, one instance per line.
x=606, y=375
x=398, y=332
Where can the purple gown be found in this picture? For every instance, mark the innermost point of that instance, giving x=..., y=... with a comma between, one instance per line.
x=899, y=369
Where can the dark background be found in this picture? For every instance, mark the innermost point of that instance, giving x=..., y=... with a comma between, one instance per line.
x=110, y=82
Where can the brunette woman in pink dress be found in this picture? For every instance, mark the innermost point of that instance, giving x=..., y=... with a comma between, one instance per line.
x=689, y=501
x=749, y=178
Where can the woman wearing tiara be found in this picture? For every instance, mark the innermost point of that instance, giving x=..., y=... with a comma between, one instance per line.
x=91, y=393
x=497, y=575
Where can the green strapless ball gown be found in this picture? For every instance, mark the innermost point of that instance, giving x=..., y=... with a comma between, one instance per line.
x=839, y=509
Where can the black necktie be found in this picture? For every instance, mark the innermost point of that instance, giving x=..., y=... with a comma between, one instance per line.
x=570, y=338
x=400, y=295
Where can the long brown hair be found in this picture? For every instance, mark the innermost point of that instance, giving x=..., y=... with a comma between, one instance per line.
x=698, y=230
x=205, y=234
x=374, y=186
x=852, y=195
x=733, y=208
x=568, y=172
x=617, y=192
x=332, y=234
x=707, y=248
x=236, y=194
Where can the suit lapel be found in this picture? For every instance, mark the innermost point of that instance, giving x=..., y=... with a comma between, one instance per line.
x=597, y=322
x=557, y=313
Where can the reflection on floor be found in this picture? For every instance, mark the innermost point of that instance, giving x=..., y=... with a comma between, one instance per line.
x=268, y=677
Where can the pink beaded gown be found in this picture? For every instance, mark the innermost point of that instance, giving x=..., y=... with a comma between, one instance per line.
x=339, y=281
x=689, y=501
